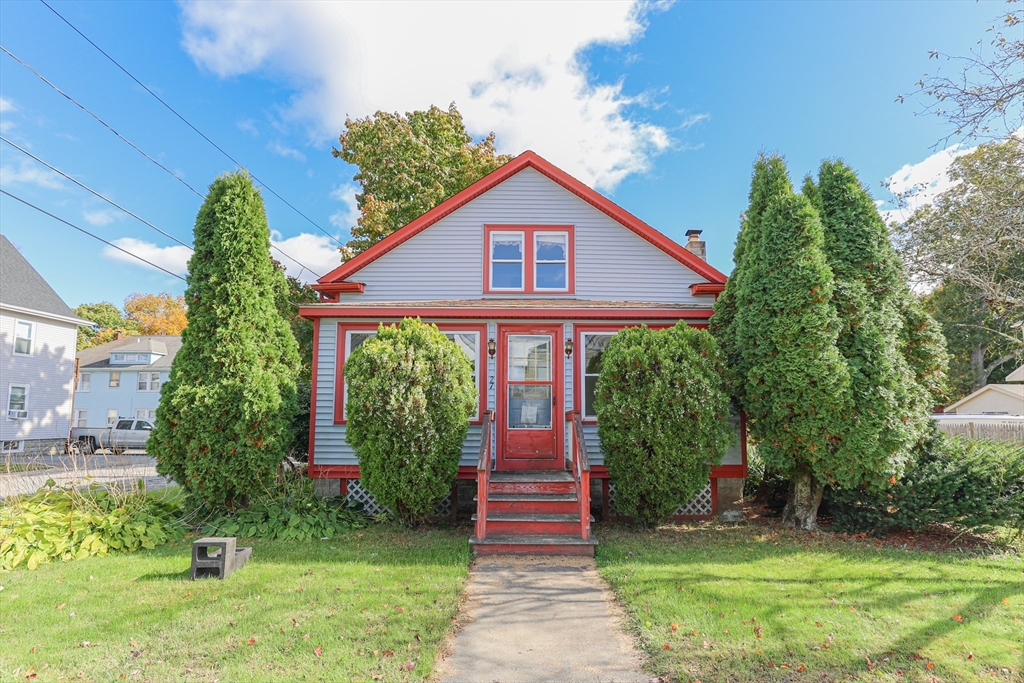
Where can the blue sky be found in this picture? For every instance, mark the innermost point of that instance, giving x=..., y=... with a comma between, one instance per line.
x=661, y=107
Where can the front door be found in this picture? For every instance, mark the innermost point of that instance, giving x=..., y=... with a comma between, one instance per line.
x=529, y=420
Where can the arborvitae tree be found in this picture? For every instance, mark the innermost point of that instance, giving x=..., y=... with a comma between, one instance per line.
x=796, y=381
x=222, y=426
x=889, y=344
x=769, y=178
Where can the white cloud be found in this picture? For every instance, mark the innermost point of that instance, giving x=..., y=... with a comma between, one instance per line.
x=285, y=151
x=6, y=105
x=346, y=218
x=29, y=173
x=102, y=216
x=174, y=259
x=922, y=182
x=316, y=252
x=511, y=67
x=249, y=126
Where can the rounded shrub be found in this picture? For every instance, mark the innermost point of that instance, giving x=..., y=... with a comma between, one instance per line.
x=662, y=417
x=410, y=396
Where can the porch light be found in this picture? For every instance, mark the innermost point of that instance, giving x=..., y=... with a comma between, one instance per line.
x=568, y=348
x=492, y=347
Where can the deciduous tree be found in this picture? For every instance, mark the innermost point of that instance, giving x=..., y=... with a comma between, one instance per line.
x=161, y=313
x=109, y=321
x=223, y=423
x=409, y=164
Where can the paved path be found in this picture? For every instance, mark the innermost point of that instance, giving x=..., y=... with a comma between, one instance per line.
x=82, y=469
x=540, y=619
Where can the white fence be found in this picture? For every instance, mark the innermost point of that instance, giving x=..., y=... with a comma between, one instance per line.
x=1001, y=427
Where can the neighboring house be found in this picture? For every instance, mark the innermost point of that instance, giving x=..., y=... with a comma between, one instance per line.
x=993, y=399
x=531, y=272
x=122, y=379
x=38, y=332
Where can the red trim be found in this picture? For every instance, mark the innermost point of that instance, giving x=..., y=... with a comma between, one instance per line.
x=483, y=313
x=699, y=288
x=481, y=360
x=339, y=376
x=529, y=261
x=312, y=389
x=527, y=159
x=558, y=389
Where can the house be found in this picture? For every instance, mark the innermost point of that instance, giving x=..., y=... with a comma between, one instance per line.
x=122, y=379
x=38, y=334
x=531, y=272
x=993, y=399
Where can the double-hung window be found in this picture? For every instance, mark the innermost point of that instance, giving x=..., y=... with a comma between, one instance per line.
x=81, y=418
x=23, y=338
x=469, y=342
x=594, y=346
x=145, y=413
x=84, y=382
x=353, y=339
x=17, y=402
x=149, y=381
x=115, y=380
x=529, y=259
x=111, y=416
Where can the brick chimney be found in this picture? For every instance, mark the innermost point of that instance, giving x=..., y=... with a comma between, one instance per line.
x=696, y=245
x=118, y=335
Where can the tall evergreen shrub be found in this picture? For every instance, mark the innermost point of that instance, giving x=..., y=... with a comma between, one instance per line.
x=662, y=417
x=223, y=423
x=410, y=396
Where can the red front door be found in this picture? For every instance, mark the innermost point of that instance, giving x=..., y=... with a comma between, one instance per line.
x=529, y=398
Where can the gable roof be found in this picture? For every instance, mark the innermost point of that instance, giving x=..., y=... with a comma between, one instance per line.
x=527, y=159
x=98, y=357
x=1014, y=391
x=22, y=288
x=1017, y=375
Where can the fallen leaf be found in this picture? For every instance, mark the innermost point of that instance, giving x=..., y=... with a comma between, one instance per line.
x=61, y=605
x=802, y=668
x=252, y=641
x=409, y=665
x=399, y=609
x=667, y=646
x=957, y=618
x=388, y=653
x=818, y=624
x=674, y=627
x=305, y=637
x=930, y=665
x=970, y=657
x=131, y=641
x=1006, y=601
x=318, y=651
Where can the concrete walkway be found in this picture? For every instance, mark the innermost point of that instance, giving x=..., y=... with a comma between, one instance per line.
x=100, y=468
x=540, y=619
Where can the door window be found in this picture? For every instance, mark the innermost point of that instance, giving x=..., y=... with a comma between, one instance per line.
x=124, y=424
x=529, y=360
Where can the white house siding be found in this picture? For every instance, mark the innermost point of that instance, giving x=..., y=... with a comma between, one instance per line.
x=445, y=261
x=49, y=374
x=125, y=399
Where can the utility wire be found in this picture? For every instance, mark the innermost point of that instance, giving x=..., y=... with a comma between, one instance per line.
x=102, y=122
x=96, y=237
x=89, y=189
x=140, y=151
x=189, y=124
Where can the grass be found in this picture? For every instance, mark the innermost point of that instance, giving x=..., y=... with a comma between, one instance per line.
x=367, y=605
x=744, y=603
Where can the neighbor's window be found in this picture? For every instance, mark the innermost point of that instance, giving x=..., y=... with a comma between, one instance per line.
x=17, y=402
x=551, y=261
x=84, y=381
x=23, y=338
x=111, y=416
x=594, y=346
x=81, y=418
x=115, y=379
x=10, y=446
x=507, y=259
x=149, y=381
x=145, y=413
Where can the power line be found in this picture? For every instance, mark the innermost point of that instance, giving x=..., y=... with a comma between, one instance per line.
x=187, y=123
x=95, y=237
x=89, y=189
x=102, y=122
x=140, y=151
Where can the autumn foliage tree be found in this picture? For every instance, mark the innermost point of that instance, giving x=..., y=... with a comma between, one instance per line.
x=109, y=320
x=156, y=314
x=408, y=164
x=223, y=425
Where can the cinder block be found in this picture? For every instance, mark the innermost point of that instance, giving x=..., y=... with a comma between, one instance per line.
x=327, y=488
x=217, y=557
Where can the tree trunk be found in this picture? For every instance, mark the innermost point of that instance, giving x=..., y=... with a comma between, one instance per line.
x=978, y=366
x=801, y=510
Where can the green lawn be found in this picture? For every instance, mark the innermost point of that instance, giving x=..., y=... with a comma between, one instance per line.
x=741, y=604
x=367, y=605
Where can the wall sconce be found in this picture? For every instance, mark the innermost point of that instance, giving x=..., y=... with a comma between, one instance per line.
x=568, y=348
x=492, y=347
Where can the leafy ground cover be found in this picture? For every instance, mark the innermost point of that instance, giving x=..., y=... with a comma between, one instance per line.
x=758, y=603
x=369, y=604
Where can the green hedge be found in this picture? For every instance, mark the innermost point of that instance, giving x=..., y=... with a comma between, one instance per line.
x=662, y=417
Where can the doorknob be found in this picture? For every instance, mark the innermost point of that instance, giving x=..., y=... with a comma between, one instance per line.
x=554, y=400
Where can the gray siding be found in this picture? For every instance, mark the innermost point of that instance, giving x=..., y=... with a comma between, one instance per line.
x=445, y=261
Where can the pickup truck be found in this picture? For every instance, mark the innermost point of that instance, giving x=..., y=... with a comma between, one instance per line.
x=120, y=436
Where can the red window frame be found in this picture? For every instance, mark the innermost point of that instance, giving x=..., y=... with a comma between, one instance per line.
x=343, y=330
x=529, y=262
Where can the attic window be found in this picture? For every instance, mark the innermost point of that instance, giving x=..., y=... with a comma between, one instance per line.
x=529, y=259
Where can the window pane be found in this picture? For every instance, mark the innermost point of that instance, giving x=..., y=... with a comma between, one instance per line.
x=529, y=407
x=124, y=424
x=550, y=276
x=16, y=399
x=551, y=247
x=24, y=330
x=356, y=339
x=589, y=387
x=529, y=358
x=115, y=379
x=111, y=416
x=506, y=248
x=466, y=342
x=507, y=275
x=22, y=345
x=140, y=425
x=155, y=382
x=596, y=344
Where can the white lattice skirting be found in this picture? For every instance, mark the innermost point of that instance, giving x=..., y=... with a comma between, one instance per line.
x=700, y=505
x=356, y=492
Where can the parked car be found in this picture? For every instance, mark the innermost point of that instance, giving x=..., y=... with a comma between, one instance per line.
x=122, y=435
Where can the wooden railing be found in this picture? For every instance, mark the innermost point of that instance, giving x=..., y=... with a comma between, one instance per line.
x=483, y=475
x=579, y=466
